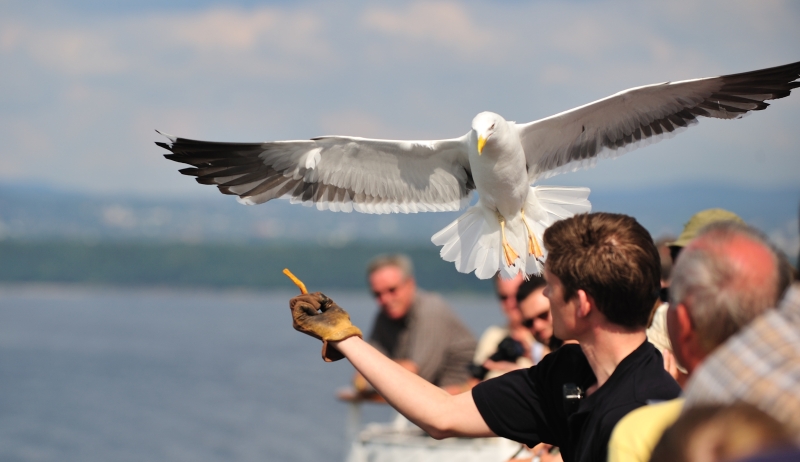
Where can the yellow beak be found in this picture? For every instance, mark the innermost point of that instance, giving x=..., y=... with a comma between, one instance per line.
x=481, y=144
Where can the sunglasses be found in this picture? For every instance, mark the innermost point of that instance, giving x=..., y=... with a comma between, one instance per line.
x=390, y=290
x=528, y=322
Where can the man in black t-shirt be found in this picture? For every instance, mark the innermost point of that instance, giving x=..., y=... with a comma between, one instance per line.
x=603, y=279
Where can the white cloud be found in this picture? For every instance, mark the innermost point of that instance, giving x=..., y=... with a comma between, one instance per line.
x=223, y=29
x=233, y=30
x=84, y=90
x=444, y=24
x=69, y=51
x=264, y=41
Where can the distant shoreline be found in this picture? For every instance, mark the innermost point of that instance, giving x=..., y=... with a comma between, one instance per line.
x=215, y=266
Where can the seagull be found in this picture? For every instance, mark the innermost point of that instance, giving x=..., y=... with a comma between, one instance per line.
x=501, y=160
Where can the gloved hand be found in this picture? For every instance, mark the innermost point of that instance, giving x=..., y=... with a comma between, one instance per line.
x=318, y=316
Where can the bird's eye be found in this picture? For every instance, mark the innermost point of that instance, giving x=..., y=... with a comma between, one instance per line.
x=491, y=127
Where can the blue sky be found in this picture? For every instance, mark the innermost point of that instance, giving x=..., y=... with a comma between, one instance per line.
x=85, y=83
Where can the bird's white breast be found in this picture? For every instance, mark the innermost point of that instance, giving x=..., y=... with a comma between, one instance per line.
x=500, y=175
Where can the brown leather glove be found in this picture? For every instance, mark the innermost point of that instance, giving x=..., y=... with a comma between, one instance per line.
x=318, y=316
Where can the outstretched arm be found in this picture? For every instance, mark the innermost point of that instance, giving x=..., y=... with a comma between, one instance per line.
x=434, y=410
x=431, y=408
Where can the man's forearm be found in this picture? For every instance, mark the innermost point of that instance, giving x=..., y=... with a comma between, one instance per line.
x=434, y=410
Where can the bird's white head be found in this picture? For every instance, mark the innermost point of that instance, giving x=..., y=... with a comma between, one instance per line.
x=485, y=125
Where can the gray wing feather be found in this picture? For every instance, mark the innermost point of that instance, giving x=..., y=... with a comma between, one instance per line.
x=335, y=173
x=644, y=115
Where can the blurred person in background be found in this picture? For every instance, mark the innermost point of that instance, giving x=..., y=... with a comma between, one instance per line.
x=697, y=222
x=721, y=434
x=668, y=252
x=662, y=244
x=415, y=328
x=506, y=344
x=536, y=316
x=760, y=365
x=724, y=278
x=536, y=322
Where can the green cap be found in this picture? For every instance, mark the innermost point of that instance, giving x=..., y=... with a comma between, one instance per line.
x=701, y=219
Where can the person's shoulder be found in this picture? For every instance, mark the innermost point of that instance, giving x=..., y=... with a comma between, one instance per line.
x=432, y=304
x=494, y=334
x=566, y=364
x=651, y=380
x=565, y=355
x=435, y=298
x=567, y=352
x=636, y=434
x=657, y=332
x=657, y=415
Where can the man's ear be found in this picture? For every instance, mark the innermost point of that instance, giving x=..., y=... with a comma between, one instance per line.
x=585, y=304
x=686, y=337
x=684, y=323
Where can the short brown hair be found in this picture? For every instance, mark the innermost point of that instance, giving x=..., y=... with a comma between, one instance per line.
x=612, y=258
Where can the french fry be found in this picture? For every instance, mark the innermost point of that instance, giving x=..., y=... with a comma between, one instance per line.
x=296, y=281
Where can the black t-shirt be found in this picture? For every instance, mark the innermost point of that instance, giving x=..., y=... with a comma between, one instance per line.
x=529, y=406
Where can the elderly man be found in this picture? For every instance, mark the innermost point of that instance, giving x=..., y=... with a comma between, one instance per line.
x=418, y=329
x=760, y=365
x=725, y=277
x=657, y=332
x=603, y=278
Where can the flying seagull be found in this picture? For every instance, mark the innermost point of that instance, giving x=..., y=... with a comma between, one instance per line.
x=498, y=158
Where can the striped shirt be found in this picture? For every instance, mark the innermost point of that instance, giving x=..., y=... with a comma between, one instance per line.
x=759, y=365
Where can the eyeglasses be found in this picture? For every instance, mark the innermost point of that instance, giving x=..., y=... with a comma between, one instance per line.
x=390, y=290
x=528, y=322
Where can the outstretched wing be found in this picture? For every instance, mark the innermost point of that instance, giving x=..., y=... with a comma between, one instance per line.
x=335, y=173
x=639, y=116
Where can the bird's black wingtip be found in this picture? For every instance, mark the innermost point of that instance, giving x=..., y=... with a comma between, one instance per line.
x=165, y=135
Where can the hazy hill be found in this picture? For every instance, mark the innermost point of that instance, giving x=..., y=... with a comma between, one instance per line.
x=48, y=235
x=36, y=212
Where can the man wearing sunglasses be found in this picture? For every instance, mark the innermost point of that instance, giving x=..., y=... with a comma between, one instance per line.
x=536, y=316
x=418, y=329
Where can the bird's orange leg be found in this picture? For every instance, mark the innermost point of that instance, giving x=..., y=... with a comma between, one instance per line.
x=508, y=251
x=533, y=244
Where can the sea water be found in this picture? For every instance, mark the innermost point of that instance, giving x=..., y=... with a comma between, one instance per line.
x=98, y=374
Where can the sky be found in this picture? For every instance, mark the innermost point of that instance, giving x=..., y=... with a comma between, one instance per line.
x=85, y=83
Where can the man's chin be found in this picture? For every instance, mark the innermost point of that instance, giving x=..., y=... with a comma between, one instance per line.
x=394, y=315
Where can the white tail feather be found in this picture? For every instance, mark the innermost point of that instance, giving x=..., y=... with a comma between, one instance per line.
x=473, y=241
